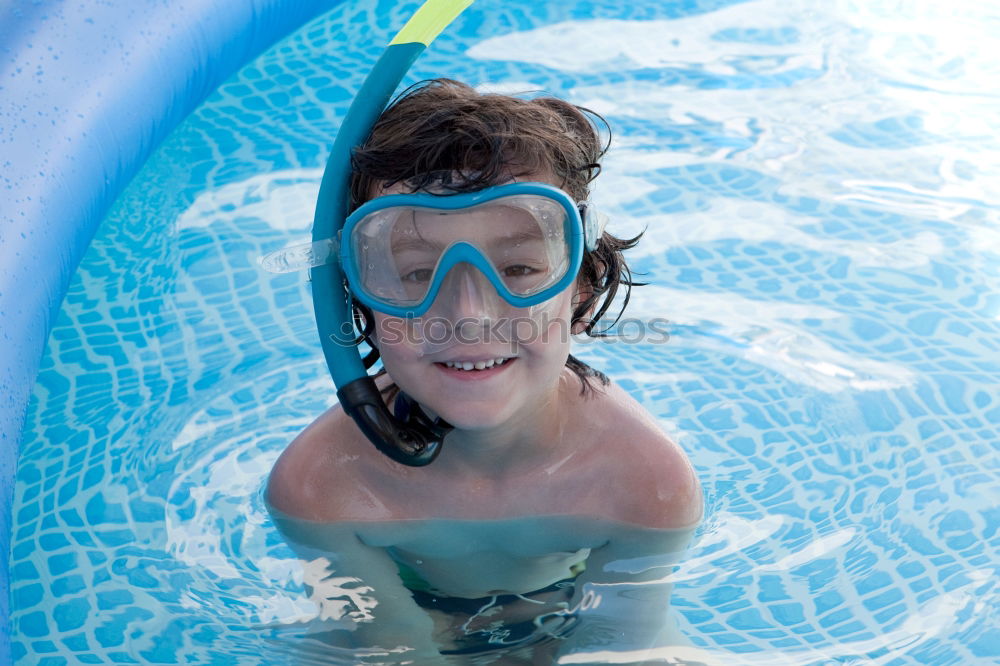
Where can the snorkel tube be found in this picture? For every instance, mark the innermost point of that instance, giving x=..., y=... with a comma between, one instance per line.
x=413, y=439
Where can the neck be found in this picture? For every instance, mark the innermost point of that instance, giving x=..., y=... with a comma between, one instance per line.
x=523, y=442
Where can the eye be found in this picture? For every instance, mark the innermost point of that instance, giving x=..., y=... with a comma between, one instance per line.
x=519, y=270
x=417, y=275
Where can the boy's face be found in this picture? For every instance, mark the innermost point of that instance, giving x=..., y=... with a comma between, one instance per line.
x=473, y=359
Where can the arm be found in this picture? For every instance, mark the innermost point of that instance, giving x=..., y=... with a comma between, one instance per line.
x=360, y=586
x=621, y=601
x=310, y=494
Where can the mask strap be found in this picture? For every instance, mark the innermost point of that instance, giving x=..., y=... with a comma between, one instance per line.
x=594, y=222
x=300, y=256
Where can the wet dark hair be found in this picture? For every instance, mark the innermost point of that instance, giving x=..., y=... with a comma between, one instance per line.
x=445, y=135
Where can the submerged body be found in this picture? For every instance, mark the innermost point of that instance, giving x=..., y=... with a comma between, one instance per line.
x=603, y=498
x=485, y=583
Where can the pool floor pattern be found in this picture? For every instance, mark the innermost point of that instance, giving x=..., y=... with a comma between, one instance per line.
x=821, y=231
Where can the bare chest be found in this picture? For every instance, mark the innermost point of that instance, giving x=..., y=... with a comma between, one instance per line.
x=478, y=558
x=573, y=492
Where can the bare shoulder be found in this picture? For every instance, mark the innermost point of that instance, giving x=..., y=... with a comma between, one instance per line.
x=663, y=490
x=320, y=475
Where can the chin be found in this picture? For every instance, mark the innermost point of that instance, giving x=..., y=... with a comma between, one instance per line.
x=469, y=417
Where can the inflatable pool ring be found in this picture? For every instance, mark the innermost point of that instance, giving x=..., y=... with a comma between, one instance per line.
x=87, y=93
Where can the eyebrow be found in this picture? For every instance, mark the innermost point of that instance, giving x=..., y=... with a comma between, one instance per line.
x=417, y=244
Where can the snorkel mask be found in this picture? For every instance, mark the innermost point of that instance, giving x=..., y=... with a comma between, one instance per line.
x=396, y=254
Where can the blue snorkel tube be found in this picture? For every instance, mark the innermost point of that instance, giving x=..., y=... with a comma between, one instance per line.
x=415, y=439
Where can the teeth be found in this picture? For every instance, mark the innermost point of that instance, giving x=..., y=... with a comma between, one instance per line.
x=476, y=365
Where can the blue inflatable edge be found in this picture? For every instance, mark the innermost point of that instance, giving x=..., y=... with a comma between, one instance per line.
x=87, y=92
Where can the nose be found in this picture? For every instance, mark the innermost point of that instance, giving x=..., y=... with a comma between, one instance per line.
x=466, y=294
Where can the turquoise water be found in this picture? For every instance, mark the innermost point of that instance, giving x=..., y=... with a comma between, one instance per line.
x=818, y=185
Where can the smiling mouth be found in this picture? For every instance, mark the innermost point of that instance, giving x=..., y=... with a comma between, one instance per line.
x=471, y=366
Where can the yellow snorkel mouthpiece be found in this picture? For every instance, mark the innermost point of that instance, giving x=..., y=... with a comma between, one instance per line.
x=429, y=21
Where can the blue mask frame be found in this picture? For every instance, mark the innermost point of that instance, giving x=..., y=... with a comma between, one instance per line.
x=465, y=252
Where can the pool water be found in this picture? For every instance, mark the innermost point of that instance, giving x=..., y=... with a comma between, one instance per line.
x=818, y=185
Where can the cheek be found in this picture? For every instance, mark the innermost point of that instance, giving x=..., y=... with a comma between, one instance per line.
x=398, y=357
x=549, y=328
x=393, y=337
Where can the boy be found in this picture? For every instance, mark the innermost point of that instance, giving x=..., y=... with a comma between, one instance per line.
x=554, y=490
